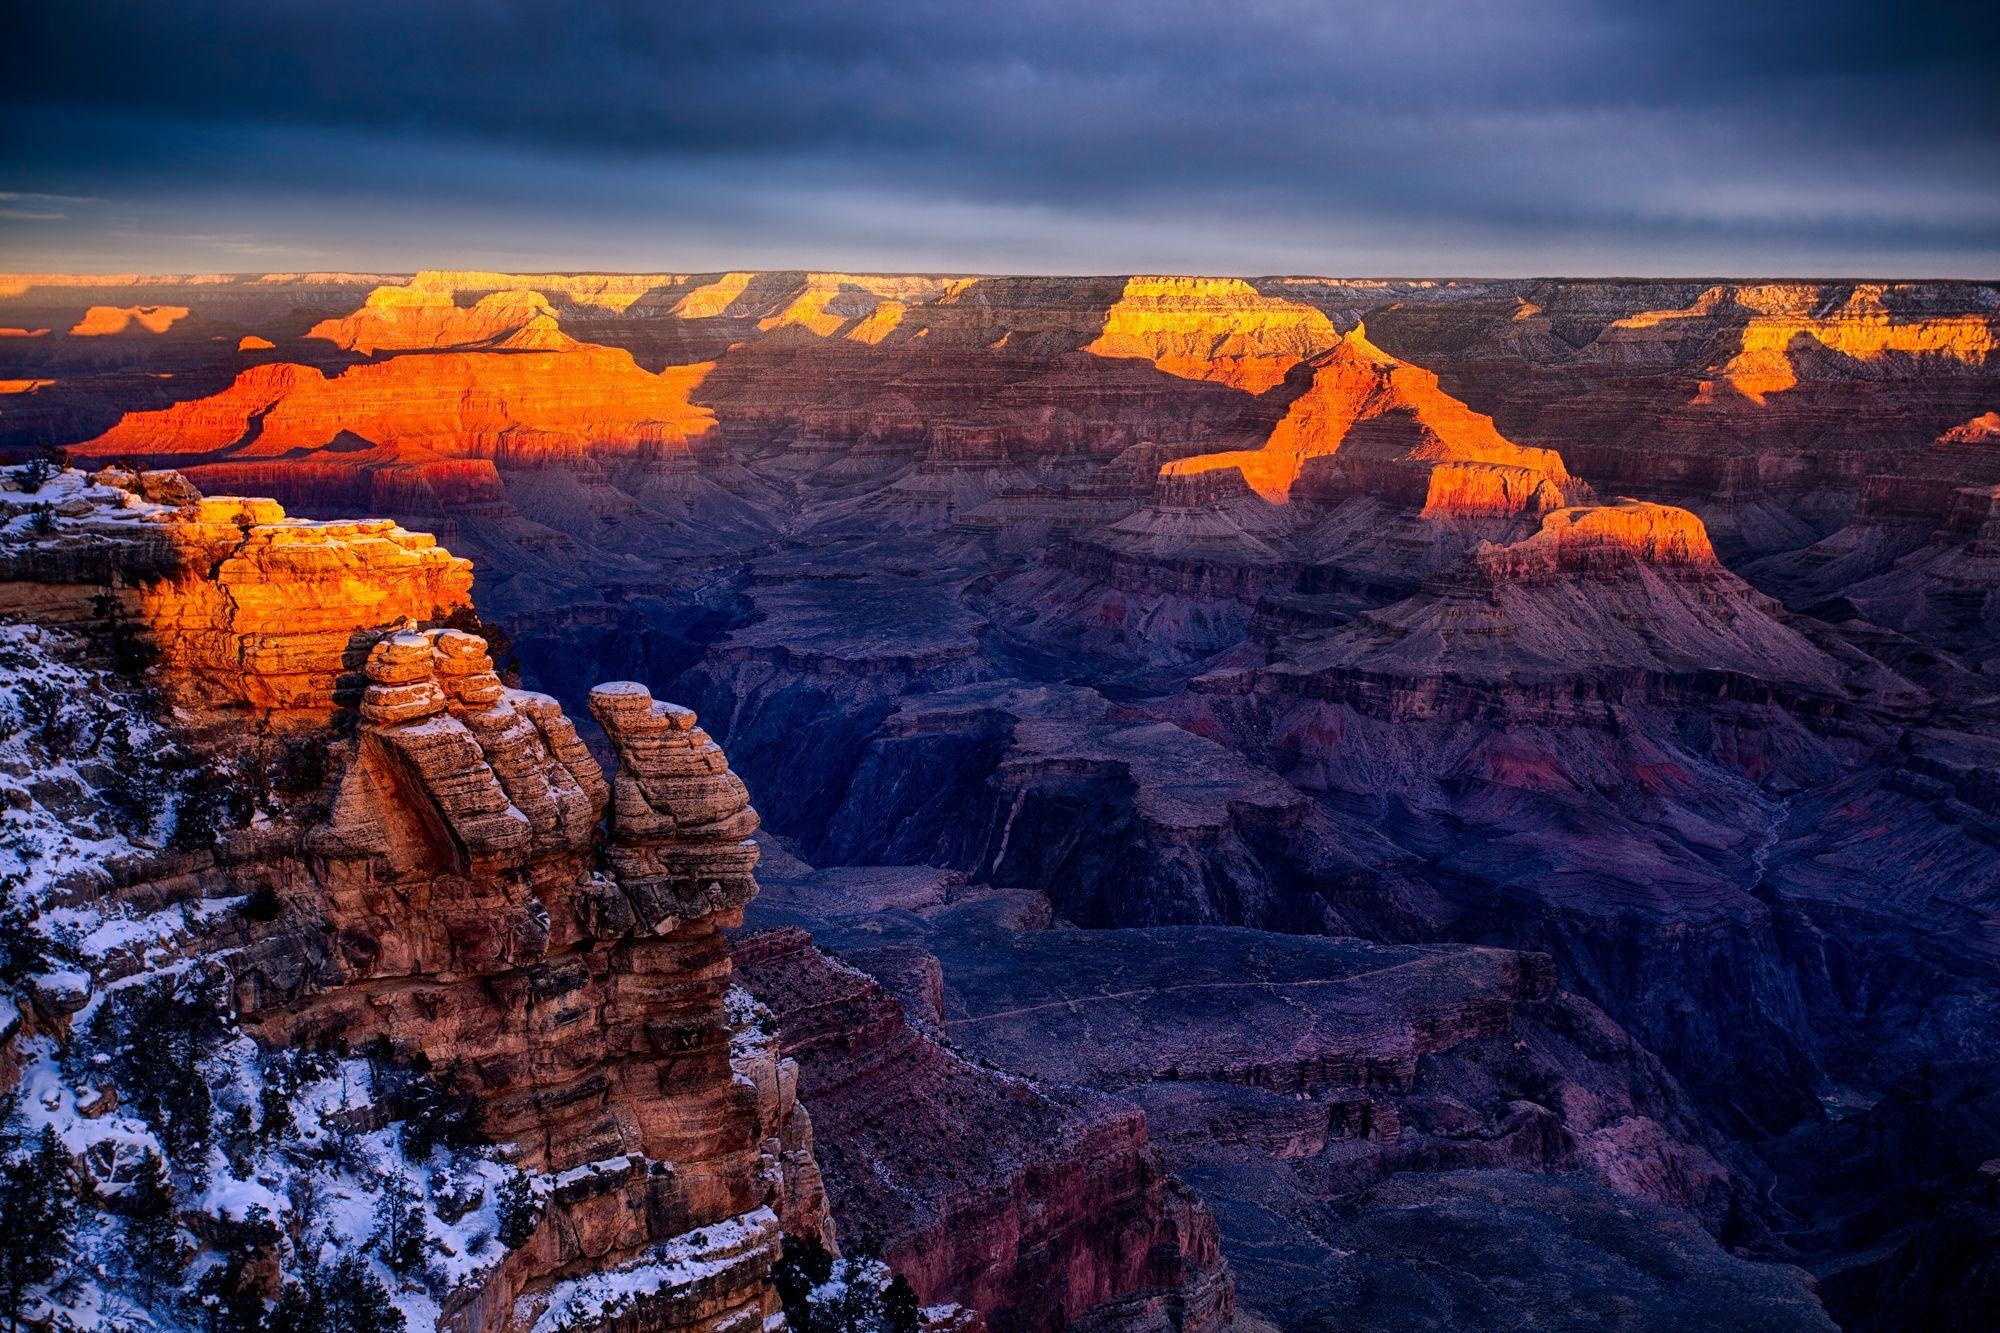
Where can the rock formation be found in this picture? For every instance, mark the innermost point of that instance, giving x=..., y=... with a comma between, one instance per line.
x=1041, y=1206
x=450, y=902
x=518, y=407
x=1373, y=425
x=1218, y=329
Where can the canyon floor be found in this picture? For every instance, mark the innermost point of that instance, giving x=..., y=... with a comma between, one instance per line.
x=1503, y=775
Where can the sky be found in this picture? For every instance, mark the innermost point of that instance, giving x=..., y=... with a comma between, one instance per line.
x=1403, y=137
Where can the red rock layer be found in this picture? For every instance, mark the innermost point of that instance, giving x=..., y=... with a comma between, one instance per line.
x=1593, y=538
x=250, y=609
x=1041, y=1207
x=1219, y=329
x=399, y=319
x=457, y=871
x=102, y=320
x=518, y=408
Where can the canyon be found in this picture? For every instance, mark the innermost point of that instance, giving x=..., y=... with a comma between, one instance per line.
x=1293, y=801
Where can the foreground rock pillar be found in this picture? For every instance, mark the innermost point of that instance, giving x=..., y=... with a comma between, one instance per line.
x=680, y=820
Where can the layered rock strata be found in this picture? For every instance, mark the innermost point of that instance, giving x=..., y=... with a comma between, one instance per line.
x=1044, y=1207
x=460, y=866
x=449, y=898
x=246, y=606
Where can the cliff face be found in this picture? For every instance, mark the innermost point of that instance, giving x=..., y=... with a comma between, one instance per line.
x=1043, y=1207
x=521, y=408
x=1218, y=329
x=445, y=897
x=1370, y=424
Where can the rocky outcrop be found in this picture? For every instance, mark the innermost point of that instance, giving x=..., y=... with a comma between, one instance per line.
x=105, y=320
x=247, y=607
x=1369, y=423
x=458, y=867
x=1220, y=329
x=447, y=898
x=1043, y=1207
x=401, y=319
x=1604, y=538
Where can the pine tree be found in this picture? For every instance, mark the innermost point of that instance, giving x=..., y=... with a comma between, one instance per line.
x=228, y=1302
x=37, y=1215
x=400, y=1234
x=859, y=1306
x=519, y=1210
x=802, y=1265
x=899, y=1304
x=153, y=1227
x=345, y=1298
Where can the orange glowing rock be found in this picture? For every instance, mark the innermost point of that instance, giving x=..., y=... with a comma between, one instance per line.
x=832, y=302
x=1982, y=429
x=1220, y=329
x=250, y=342
x=401, y=319
x=873, y=328
x=1596, y=538
x=509, y=407
x=1863, y=329
x=615, y=292
x=23, y=386
x=713, y=298
x=252, y=609
x=1705, y=306
x=24, y=333
x=1372, y=423
x=101, y=320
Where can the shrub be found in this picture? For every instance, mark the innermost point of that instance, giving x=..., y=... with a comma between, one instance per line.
x=499, y=643
x=152, y=1227
x=401, y=1235
x=227, y=1298
x=436, y=1108
x=207, y=804
x=26, y=947
x=802, y=1265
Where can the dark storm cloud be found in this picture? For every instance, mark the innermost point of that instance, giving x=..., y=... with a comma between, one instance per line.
x=1030, y=134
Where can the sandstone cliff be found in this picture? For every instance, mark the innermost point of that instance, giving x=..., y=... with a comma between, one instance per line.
x=445, y=899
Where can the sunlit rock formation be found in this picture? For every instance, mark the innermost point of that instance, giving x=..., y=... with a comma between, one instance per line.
x=247, y=607
x=519, y=408
x=441, y=895
x=105, y=320
x=1862, y=329
x=1218, y=329
x=1371, y=424
x=401, y=319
